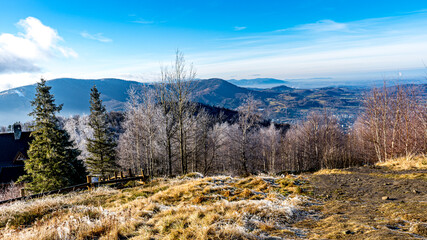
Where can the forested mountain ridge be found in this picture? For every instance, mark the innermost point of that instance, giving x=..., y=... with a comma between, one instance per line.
x=281, y=103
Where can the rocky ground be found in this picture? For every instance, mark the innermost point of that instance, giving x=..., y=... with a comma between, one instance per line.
x=373, y=202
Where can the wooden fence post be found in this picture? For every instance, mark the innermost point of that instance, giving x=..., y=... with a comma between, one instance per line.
x=115, y=174
x=121, y=174
x=22, y=192
x=89, y=180
x=130, y=172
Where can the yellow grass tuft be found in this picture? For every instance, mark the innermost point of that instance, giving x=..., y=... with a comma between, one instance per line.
x=331, y=171
x=422, y=176
x=403, y=163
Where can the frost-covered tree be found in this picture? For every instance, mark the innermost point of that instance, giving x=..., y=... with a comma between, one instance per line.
x=53, y=161
x=78, y=128
x=141, y=144
x=217, y=139
x=197, y=127
x=101, y=147
x=179, y=82
x=269, y=139
x=248, y=118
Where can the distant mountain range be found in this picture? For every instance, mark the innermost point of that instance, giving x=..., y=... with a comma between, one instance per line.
x=258, y=82
x=319, y=82
x=280, y=103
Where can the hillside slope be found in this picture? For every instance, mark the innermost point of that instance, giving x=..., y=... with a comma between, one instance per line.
x=386, y=201
x=218, y=92
x=183, y=208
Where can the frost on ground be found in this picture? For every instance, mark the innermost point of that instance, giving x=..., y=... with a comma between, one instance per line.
x=191, y=207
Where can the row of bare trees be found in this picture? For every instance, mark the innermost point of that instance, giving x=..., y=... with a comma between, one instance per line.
x=394, y=123
x=213, y=146
x=152, y=138
x=166, y=141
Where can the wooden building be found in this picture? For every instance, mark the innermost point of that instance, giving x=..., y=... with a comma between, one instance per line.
x=13, y=153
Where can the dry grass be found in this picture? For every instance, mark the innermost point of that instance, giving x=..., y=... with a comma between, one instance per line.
x=421, y=176
x=331, y=171
x=406, y=211
x=399, y=164
x=394, y=220
x=191, y=207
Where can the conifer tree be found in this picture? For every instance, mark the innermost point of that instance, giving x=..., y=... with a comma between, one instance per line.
x=101, y=147
x=52, y=162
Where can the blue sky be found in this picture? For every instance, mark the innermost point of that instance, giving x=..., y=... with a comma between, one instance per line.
x=337, y=40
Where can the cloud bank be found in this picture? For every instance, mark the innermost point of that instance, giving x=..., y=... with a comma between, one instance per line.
x=363, y=49
x=22, y=52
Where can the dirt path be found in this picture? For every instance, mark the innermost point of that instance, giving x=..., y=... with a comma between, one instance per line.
x=369, y=203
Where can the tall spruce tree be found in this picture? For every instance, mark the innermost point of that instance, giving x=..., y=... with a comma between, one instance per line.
x=101, y=147
x=52, y=162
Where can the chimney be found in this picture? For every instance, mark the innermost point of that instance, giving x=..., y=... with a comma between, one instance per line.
x=17, y=130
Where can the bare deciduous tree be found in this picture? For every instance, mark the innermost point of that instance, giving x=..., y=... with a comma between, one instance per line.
x=269, y=139
x=248, y=117
x=178, y=83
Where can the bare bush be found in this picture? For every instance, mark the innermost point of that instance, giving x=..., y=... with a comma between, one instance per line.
x=9, y=191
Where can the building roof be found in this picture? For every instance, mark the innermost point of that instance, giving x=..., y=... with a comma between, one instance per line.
x=10, y=148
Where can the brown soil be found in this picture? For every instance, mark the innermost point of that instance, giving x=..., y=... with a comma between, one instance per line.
x=369, y=203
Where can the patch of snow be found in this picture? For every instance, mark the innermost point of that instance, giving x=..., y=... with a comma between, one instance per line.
x=197, y=175
x=19, y=93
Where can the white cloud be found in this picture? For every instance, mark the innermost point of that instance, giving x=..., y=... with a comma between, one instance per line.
x=325, y=25
x=22, y=52
x=97, y=37
x=143, y=21
x=237, y=28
